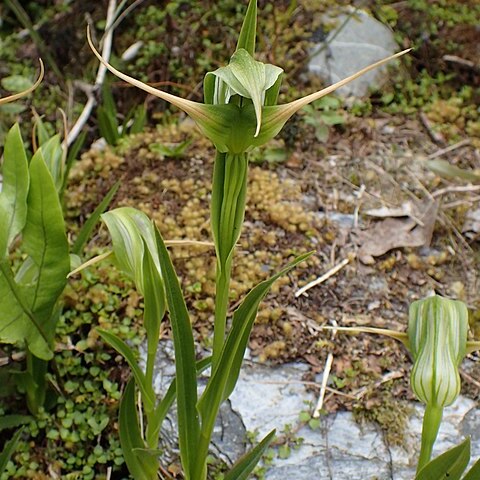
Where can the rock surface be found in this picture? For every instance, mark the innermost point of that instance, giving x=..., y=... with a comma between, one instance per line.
x=269, y=398
x=357, y=41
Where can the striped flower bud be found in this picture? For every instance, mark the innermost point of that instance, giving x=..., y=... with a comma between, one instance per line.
x=437, y=334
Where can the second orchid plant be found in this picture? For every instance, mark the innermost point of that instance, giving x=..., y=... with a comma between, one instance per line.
x=240, y=113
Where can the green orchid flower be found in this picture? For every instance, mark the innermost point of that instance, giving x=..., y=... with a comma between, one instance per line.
x=437, y=340
x=240, y=110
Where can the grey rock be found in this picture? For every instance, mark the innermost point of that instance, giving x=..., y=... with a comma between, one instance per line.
x=351, y=47
x=269, y=398
x=261, y=390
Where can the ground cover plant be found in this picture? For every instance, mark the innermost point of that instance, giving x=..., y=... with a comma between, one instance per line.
x=109, y=310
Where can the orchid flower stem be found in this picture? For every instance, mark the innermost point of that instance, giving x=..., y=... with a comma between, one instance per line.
x=431, y=424
x=227, y=213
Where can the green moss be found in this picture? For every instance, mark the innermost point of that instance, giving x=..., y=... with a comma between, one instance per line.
x=383, y=407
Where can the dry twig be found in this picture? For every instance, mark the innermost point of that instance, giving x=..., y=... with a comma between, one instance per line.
x=449, y=149
x=102, y=71
x=326, y=275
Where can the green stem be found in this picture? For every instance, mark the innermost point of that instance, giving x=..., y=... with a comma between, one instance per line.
x=431, y=424
x=36, y=384
x=227, y=213
x=221, y=307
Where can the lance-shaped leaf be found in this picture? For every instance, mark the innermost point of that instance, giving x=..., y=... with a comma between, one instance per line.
x=46, y=243
x=142, y=464
x=248, y=78
x=248, y=33
x=16, y=96
x=9, y=449
x=225, y=375
x=448, y=466
x=243, y=467
x=148, y=395
x=166, y=402
x=93, y=219
x=437, y=333
x=154, y=311
x=474, y=472
x=13, y=196
x=131, y=230
x=186, y=372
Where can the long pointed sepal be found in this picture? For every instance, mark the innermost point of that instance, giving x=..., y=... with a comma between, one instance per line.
x=214, y=120
x=279, y=115
x=400, y=336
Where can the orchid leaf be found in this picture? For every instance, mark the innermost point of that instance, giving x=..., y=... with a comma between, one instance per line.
x=474, y=472
x=248, y=33
x=131, y=230
x=93, y=219
x=148, y=396
x=225, y=374
x=13, y=196
x=141, y=464
x=167, y=401
x=448, y=466
x=242, y=323
x=186, y=372
x=154, y=311
x=243, y=467
x=9, y=449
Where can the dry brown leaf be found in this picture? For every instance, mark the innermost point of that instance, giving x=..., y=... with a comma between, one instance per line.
x=391, y=233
